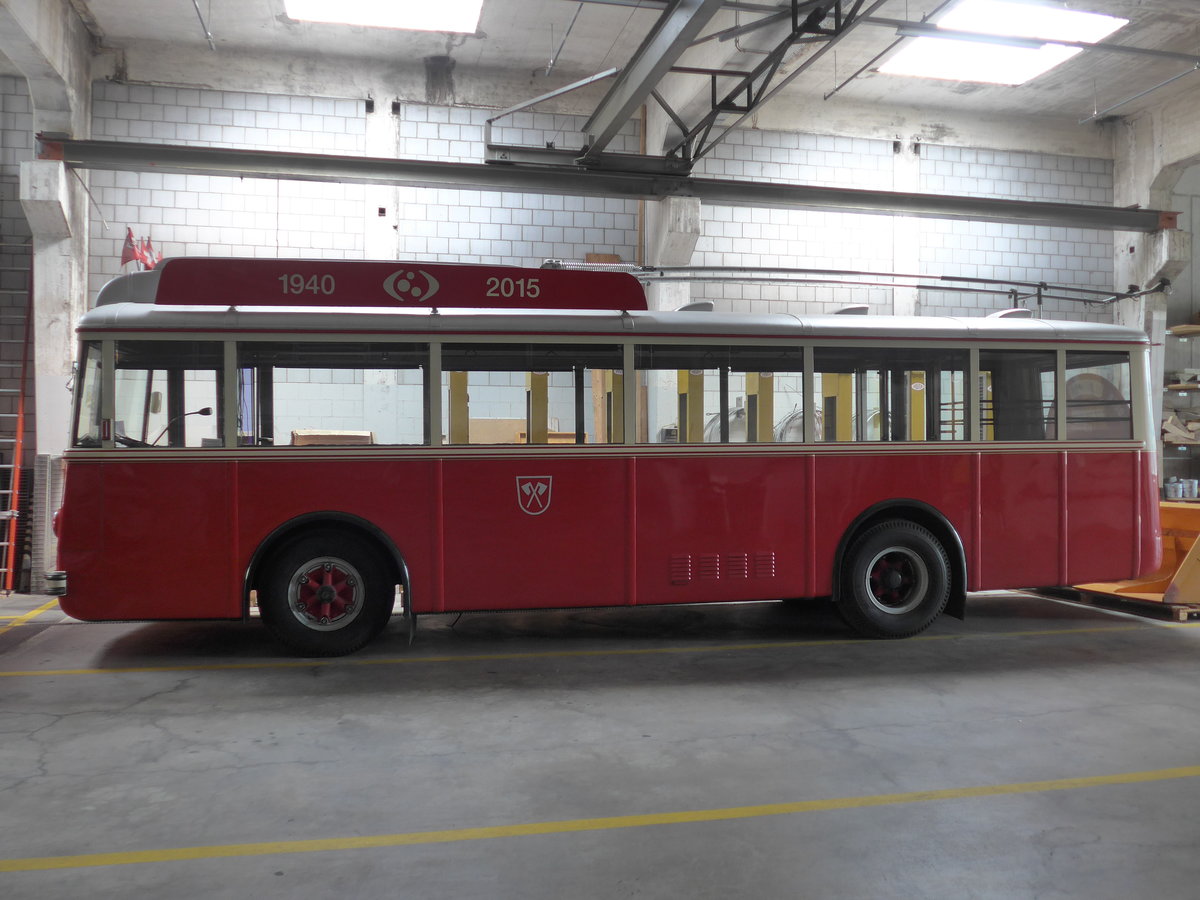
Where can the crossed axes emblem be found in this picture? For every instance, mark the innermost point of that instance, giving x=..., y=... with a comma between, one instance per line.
x=533, y=493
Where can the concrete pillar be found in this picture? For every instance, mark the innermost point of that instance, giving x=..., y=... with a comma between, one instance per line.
x=1152, y=151
x=59, y=277
x=49, y=44
x=381, y=239
x=906, y=230
x=672, y=229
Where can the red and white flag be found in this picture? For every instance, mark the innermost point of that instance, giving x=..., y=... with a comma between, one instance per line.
x=141, y=252
x=129, y=252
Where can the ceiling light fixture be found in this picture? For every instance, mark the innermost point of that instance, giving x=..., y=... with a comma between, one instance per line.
x=1009, y=44
x=460, y=16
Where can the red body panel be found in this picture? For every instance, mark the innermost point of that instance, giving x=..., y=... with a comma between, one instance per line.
x=1019, y=520
x=569, y=549
x=169, y=538
x=727, y=527
x=151, y=540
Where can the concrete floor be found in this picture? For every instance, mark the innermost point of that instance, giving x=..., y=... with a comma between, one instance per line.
x=1039, y=750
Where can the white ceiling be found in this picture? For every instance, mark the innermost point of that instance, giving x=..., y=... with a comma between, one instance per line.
x=518, y=38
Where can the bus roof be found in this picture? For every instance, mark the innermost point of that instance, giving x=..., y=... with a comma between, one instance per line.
x=155, y=318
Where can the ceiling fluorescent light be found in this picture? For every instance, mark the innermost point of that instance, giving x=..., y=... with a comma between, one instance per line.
x=410, y=15
x=1009, y=62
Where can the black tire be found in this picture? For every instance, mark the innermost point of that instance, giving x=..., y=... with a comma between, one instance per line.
x=326, y=594
x=895, y=580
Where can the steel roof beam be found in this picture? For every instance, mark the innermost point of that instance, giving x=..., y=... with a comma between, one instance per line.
x=671, y=35
x=572, y=180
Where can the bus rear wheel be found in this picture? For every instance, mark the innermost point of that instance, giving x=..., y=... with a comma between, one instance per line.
x=326, y=594
x=895, y=580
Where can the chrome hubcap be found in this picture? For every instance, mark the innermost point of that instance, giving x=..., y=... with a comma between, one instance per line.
x=325, y=594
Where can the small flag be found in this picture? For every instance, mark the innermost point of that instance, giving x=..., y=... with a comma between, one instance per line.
x=150, y=259
x=129, y=252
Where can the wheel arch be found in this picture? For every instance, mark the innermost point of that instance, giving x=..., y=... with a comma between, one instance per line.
x=926, y=516
x=315, y=521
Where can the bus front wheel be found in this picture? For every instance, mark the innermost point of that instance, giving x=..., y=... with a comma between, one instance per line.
x=326, y=594
x=895, y=580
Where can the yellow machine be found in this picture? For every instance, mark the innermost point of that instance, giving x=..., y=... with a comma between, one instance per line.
x=1177, y=581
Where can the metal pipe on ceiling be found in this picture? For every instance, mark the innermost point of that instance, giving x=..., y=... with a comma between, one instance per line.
x=1103, y=112
x=563, y=42
x=573, y=180
x=212, y=45
x=888, y=49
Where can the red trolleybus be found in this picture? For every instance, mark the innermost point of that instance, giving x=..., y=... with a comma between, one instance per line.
x=336, y=441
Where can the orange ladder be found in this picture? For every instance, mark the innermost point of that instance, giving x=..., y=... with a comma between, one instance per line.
x=14, y=380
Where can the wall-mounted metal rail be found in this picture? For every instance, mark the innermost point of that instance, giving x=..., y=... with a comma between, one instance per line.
x=578, y=181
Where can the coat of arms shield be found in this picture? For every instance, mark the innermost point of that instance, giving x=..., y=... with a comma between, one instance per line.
x=533, y=493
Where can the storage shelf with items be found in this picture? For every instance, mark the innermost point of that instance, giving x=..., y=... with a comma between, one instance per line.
x=1181, y=413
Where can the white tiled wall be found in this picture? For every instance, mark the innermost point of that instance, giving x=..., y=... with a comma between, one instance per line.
x=1031, y=253
x=167, y=115
x=199, y=215
x=219, y=216
x=735, y=236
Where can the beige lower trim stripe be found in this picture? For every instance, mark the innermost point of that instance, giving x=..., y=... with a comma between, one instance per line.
x=566, y=826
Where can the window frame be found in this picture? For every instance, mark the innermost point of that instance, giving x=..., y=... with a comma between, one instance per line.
x=1141, y=431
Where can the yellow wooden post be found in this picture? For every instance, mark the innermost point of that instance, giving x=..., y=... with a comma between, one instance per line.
x=460, y=412
x=537, y=392
x=614, y=384
x=691, y=405
x=987, y=406
x=760, y=396
x=600, y=405
x=916, y=406
x=840, y=387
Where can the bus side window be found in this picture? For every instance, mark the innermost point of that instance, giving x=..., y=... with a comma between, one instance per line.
x=1098, y=393
x=331, y=393
x=882, y=394
x=168, y=393
x=683, y=395
x=535, y=393
x=1017, y=395
x=770, y=388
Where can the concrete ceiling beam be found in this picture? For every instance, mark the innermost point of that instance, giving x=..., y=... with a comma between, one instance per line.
x=47, y=42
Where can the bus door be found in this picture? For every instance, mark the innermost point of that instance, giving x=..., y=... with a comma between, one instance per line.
x=534, y=496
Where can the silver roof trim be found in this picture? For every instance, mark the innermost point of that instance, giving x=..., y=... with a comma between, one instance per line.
x=136, y=287
x=139, y=315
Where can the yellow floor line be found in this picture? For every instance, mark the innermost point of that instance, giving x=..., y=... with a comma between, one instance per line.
x=609, y=823
x=29, y=616
x=343, y=662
